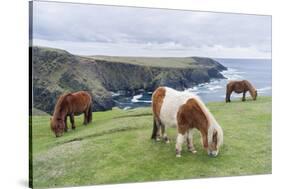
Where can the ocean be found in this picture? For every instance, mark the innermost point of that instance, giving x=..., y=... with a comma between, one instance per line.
x=257, y=71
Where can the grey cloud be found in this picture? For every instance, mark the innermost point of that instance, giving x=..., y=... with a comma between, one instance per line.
x=110, y=24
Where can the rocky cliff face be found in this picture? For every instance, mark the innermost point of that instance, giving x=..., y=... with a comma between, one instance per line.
x=57, y=71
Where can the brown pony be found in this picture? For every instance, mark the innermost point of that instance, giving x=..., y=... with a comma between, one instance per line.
x=240, y=87
x=71, y=104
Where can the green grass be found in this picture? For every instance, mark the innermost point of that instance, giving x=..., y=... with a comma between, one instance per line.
x=169, y=62
x=116, y=148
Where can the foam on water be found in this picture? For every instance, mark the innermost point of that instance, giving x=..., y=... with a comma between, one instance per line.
x=232, y=74
x=127, y=108
x=136, y=98
x=113, y=94
x=257, y=73
x=264, y=89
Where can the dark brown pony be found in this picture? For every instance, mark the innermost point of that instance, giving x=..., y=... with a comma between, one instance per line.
x=71, y=104
x=240, y=87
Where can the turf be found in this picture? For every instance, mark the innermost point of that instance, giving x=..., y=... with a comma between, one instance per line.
x=169, y=62
x=116, y=148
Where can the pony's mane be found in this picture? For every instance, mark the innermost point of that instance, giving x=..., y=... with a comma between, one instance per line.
x=252, y=89
x=60, y=103
x=213, y=124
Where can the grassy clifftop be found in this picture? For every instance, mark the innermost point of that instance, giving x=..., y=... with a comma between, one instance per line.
x=166, y=62
x=56, y=71
x=117, y=148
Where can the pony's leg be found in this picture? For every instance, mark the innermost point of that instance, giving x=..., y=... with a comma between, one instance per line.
x=89, y=114
x=158, y=125
x=72, y=121
x=227, y=98
x=85, y=118
x=189, y=140
x=244, y=96
x=180, y=140
x=65, y=123
x=154, y=130
x=164, y=134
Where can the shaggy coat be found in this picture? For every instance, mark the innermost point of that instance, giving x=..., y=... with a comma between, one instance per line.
x=240, y=87
x=71, y=104
x=185, y=111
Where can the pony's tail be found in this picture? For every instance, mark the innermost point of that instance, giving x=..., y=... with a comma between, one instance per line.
x=154, y=130
x=90, y=117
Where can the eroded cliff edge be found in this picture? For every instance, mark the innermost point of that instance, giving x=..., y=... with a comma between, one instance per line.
x=56, y=71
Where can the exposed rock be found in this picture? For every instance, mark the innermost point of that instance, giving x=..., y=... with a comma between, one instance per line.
x=57, y=71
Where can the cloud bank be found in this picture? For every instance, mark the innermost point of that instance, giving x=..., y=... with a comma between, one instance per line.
x=126, y=31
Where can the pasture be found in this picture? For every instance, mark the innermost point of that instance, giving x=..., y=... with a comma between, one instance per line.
x=116, y=148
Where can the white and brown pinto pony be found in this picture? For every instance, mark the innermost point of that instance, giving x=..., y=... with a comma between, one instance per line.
x=185, y=111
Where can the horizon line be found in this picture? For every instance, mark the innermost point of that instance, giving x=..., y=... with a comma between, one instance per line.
x=141, y=56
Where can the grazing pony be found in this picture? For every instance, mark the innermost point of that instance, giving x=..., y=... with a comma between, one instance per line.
x=240, y=87
x=185, y=111
x=71, y=104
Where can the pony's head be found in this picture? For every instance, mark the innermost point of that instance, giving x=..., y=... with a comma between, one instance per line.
x=255, y=95
x=57, y=126
x=215, y=140
x=252, y=90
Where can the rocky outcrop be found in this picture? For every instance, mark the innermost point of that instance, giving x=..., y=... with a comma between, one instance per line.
x=57, y=71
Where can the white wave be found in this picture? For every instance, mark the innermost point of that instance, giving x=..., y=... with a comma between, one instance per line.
x=127, y=108
x=136, y=98
x=213, y=88
x=192, y=90
x=234, y=95
x=113, y=94
x=232, y=74
x=145, y=101
x=264, y=89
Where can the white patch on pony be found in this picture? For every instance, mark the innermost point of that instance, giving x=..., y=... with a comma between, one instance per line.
x=171, y=103
x=193, y=151
x=190, y=134
x=180, y=140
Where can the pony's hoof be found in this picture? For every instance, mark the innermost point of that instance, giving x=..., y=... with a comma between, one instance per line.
x=193, y=151
x=167, y=141
x=157, y=139
x=178, y=155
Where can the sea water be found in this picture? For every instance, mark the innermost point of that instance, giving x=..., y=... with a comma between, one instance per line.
x=257, y=71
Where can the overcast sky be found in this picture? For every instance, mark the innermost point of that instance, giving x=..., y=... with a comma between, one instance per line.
x=126, y=31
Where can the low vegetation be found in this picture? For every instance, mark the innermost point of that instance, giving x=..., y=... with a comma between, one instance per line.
x=116, y=148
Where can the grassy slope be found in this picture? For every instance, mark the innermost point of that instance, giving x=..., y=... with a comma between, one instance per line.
x=116, y=148
x=173, y=62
